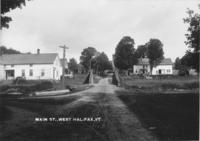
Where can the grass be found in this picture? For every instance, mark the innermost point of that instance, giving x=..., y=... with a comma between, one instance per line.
x=16, y=126
x=168, y=113
x=174, y=82
x=27, y=87
x=76, y=83
x=169, y=116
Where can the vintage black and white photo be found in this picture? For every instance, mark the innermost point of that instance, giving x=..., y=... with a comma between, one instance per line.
x=99, y=70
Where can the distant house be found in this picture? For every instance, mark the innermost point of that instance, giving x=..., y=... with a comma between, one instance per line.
x=163, y=68
x=30, y=66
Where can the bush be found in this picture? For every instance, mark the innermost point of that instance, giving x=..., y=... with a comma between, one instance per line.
x=19, y=80
x=4, y=88
x=43, y=85
x=193, y=85
x=183, y=72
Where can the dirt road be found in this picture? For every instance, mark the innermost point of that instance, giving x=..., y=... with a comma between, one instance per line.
x=116, y=123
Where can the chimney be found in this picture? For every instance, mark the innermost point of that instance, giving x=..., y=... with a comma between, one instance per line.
x=38, y=51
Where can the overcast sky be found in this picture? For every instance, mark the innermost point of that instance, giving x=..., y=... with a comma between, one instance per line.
x=46, y=24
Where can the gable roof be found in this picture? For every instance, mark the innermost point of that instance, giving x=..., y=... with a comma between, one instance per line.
x=20, y=59
x=166, y=61
x=145, y=61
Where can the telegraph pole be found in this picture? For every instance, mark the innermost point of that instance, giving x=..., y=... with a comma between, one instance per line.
x=63, y=65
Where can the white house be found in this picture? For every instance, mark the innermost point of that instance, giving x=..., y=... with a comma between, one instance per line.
x=2, y=72
x=163, y=68
x=31, y=66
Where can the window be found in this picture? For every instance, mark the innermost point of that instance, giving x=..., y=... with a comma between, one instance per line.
x=168, y=70
x=23, y=72
x=30, y=72
x=42, y=72
x=12, y=66
x=30, y=65
x=56, y=73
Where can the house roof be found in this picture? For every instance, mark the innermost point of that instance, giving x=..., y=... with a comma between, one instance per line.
x=145, y=61
x=18, y=59
x=166, y=61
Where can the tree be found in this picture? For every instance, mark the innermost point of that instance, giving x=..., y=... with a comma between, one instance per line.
x=154, y=52
x=73, y=66
x=193, y=39
x=86, y=57
x=6, y=6
x=101, y=63
x=141, y=51
x=4, y=50
x=188, y=59
x=177, y=64
x=125, y=53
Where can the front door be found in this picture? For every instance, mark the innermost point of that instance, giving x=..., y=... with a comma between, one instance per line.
x=160, y=71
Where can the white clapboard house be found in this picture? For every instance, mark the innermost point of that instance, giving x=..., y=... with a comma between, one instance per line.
x=165, y=67
x=31, y=66
x=2, y=72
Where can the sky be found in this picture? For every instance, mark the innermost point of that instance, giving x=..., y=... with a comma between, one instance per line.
x=78, y=24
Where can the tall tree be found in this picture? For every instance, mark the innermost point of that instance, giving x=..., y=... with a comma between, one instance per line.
x=154, y=52
x=86, y=57
x=177, y=64
x=125, y=53
x=102, y=63
x=141, y=51
x=5, y=50
x=6, y=6
x=193, y=39
x=73, y=66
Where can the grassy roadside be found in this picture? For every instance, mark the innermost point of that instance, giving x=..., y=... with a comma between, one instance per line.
x=168, y=113
x=170, y=117
x=76, y=83
x=29, y=86
x=171, y=83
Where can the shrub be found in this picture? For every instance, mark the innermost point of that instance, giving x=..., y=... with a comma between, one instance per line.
x=183, y=72
x=43, y=85
x=19, y=80
x=4, y=88
x=192, y=85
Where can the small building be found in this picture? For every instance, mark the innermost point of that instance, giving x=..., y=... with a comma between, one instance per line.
x=30, y=66
x=163, y=68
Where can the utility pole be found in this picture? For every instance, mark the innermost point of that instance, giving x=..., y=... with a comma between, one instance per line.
x=63, y=65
